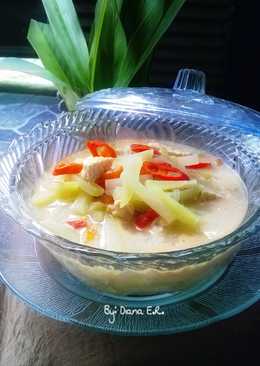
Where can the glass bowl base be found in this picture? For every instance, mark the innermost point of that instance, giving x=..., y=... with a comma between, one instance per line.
x=23, y=273
x=59, y=273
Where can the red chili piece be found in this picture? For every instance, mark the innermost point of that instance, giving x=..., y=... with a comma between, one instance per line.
x=199, y=166
x=67, y=168
x=77, y=223
x=139, y=148
x=143, y=220
x=163, y=171
x=101, y=148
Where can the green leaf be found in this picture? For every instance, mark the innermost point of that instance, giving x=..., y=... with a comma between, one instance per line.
x=69, y=39
x=119, y=4
x=156, y=9
x=40, y=37
x=122, y=38
x=15, y=64
x=112, y=34
x=138, y=52
x=101, y=8
x=147, y=14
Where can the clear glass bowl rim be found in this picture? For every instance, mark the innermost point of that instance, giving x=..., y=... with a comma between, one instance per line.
x=241, y=233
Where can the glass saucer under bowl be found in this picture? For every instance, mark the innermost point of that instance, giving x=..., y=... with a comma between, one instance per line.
x=113, y=277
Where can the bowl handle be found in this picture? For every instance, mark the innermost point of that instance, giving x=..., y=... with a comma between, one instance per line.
x=191, y=80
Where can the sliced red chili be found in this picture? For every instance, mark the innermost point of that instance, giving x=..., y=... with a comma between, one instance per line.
x=145, y=219
x=101, y=148
x=67, y=168
x=77, y=223
x=199, y=166
x=139, y=148
x=163, y=171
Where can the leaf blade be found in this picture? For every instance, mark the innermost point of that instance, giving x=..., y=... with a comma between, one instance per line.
x=112, y=34
x=132, y=62
x=96, y=31
x=69, y=38
x=15, y=64
x=40, y=37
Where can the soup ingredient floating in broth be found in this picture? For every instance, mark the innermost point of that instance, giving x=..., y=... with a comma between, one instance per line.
x=139, y=192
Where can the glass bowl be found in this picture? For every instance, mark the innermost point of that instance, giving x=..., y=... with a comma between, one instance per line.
x=125, y=278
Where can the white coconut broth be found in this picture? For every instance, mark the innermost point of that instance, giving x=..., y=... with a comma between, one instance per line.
x=220, y=209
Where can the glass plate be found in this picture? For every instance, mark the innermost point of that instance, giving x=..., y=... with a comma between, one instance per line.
x=23, y=273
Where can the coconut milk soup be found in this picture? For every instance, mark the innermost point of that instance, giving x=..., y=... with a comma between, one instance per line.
x=140, y=196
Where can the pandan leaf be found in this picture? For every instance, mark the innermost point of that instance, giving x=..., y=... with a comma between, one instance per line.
x=112, y=34
x=41, y=39
x=15, y=64
x=122, y=37
x=100, y=12
x=69, y=39
x=137, y=55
